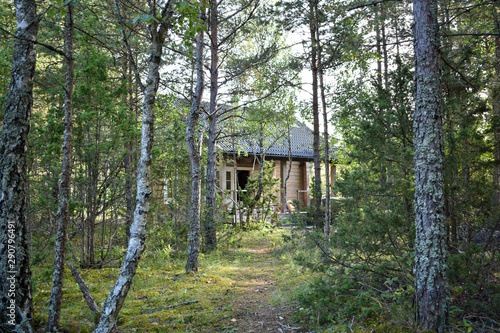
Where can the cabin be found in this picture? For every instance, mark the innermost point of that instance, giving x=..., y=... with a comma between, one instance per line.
x=242, y=153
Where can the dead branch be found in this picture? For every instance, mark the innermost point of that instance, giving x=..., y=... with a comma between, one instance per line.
x=47, y=46
x=180, y=304
x=458, y=72
x=367, y=4
x=85, y=291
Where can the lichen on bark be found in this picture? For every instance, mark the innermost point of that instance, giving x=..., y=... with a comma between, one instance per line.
x=194, y=149
x=116, y=297
x=431, y=286
x=14, y=231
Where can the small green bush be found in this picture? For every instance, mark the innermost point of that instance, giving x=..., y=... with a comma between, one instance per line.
x=337, y=301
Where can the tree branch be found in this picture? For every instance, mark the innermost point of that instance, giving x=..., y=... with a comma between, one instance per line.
x=47, y=46
x=238, y=27
x=85, y=291
x=367, y=4
x=458, y=72
x=127, y=46
x=478, y=34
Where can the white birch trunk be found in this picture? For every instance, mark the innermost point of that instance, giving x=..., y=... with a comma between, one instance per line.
x=116, y=298
x=16, y=305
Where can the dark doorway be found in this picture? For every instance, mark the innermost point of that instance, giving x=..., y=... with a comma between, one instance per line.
x=243, y=176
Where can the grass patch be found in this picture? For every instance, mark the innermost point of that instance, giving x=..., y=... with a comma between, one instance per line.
x=164, y=299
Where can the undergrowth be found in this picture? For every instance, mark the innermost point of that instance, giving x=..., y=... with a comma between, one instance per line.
x=163, y=298
x=359, y=290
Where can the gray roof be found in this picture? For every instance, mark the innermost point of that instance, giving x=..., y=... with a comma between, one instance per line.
x=274, y=144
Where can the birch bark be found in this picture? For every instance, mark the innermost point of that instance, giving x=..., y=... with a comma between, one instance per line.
x=16, y=306
x=116, y=297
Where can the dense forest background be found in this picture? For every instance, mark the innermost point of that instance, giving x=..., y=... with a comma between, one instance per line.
x=108, y=72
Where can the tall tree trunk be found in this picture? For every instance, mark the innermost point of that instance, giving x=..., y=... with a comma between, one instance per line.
x=129, y=197
x=116, y=297
x=128, y=159
x=313, y=21
x=452, y=94
x=92, y=208
x=387, y=96
x=211, y=198
x=325, y=135
x=431, y=285
x=194, y=149
x=289, y=165
x=16, y=306
x=65, y=190
x=496, y=107
x=380, y=39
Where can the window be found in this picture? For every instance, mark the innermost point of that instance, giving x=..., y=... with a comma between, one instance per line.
x=228, y=180
x=167, y=192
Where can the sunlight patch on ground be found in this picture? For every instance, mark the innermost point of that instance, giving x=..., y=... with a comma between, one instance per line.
x=246, y=284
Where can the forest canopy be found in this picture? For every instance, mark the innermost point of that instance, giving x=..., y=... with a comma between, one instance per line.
x=113, y=113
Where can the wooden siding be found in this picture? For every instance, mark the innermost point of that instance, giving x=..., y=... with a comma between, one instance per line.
x=297, y=185
x=296, y=182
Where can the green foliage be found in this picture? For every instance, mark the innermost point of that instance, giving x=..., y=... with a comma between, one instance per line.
x=160, y=297
x=170, y=172
x=372, y=232
x=365, y=270
x=265, y=185
x=8, y=22
x=105, y=132
x=472, y=286
x=338, y=301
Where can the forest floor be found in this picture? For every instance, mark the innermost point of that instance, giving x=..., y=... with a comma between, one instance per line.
x=260, y=301
x=245, y=288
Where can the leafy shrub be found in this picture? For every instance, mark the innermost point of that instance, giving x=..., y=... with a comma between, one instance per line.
x=336, y=301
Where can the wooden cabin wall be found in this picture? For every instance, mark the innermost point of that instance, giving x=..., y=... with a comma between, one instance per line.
x=296, y=182
x=298, y=178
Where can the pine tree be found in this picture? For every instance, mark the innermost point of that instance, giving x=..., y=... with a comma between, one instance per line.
x=431, y=284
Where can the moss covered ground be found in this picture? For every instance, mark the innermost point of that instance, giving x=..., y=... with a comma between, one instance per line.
x=242, y=289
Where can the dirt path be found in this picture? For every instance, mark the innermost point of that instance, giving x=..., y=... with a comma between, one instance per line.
x=245, y=289
x=257, y=307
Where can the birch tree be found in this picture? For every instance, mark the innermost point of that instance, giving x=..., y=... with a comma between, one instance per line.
x=16, y=307
x=160, y=21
